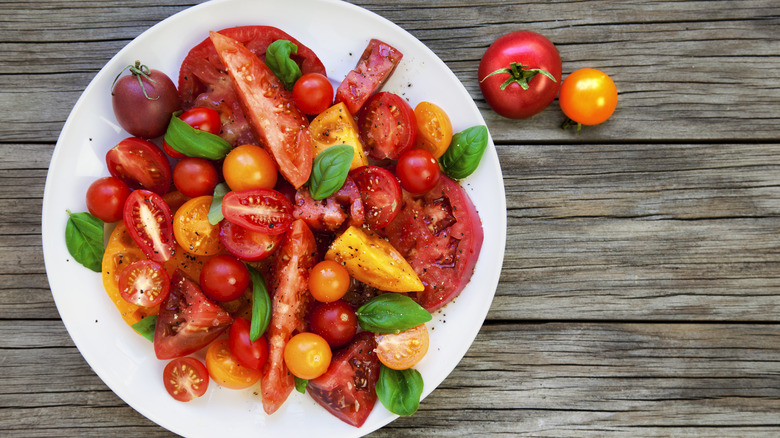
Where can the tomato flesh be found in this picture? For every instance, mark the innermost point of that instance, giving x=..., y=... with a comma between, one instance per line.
x=387, y=126
x=140, y=164
x=148, y=220
x=144, y=283
x=381, y=194
x=185, y=378
x=262, y=210
x=401, y=351
x=192, y=229
x=374, y=67
x=332, y=212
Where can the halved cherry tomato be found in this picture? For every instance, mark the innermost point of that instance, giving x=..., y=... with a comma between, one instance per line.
x=434, y=129
x=275, y=120
x=336, y=126
x=418, y=171
x=225, y=369
x=144, y=283
x=387, y=126
x=588, y=96
x=329, y=281
x=401, y=351
x=148, y=220
x=307, y=355
x=348, y=389
x=249, y=167
x=224, y=278
x=185, y=378
x=192, y=229
x=374, y=67
x=246, y=244
x=140, y=164
x=200, y=117
x=312, y=93
x=330, y=213
x=188, y=320
x=252, y=355
x=195, y=176
x=336, y=322
x=262, y=210
x=106, y=197
x=381, y=194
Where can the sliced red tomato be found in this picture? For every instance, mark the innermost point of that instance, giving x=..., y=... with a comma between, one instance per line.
x=262, y=210
x=246, y=244
x=290, y=302
x=388, y=126
x=330, y=213
x=149, y=222
x=375, y=65
x=144, y=283
x=185, y=378
x=188, y=320
x=440, y=235
x=381, y=194
x=275, y=120
x=140, y=164
x=204, y=81
x=347, y=389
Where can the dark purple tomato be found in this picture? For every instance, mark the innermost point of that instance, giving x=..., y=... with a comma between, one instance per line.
x=144, y=100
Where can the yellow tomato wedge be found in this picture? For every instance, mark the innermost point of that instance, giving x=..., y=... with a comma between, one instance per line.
x=336, y=126
x=434, y=129
x=374, y=261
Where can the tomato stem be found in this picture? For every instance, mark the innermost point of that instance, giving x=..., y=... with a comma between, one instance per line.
x=520, y=74
x=138, y=70
x=568, y=123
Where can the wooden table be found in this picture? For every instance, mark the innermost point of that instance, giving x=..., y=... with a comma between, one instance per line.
x=640, y=293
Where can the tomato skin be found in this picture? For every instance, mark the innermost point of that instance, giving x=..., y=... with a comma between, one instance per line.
x=336, y=322
x=148, y=219
x=144, y=283
x=246, y=244
x=224, y=368
x=374, y=67
x=224, y=278
x=401, y=351
x=252, y=355
x=348, y=389
x=307, y=355
x=531, y=50
x=200, y=117
x=185, y=378
x=106, y=198
x=588, y=96
x=381, y=194
x=140, y=164
x=312, y=93
x=329, y=281
x=418, y=171
x=195, y=177
x=388, y=126
x=434, y=128
x=262, y=210
x=249, y=167
x=143, y=116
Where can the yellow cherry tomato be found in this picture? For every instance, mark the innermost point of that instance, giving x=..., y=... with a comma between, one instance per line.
x=224, y=368
x=328, y=281
x=307, y=355
x=249, y=167
x=588, y=96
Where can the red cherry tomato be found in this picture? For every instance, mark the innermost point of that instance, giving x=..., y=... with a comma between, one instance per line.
x=106, y=198
x=200, y=117
x=195, y=177
x=144, y=283
x=336, y=322
x=381, y=194
x=387, y=125
x=140, y=164
x=224, y=278
x=418, y=171
x=185, y=378
x=250, y=354
x=312, y=93
x=149, y=222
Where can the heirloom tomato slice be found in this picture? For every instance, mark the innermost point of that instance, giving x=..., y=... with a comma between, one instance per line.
x=374, y=67
x=348, y=388
x=336, y=126
x=149, y=222
x=140, y=164
x=290, y=301
x=329, y=214
x=262, y=210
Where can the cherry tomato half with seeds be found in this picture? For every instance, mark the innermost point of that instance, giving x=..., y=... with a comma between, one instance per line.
x=312, y=93
x=185, y=378
x=144, y=283
x=106, y=198
x=401, y=351
x=328, y=281
x=195, y=177
x=588, y=96
x=250, y=354
x=307, y=355
x=192, y=229
x=140, y=164
x=149, y=222
x=418, y=171
x=262, y=210
x=246, y=244
x=224, y=278
x=336, y=322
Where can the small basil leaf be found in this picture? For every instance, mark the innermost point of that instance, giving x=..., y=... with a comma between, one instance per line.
x=193, y=142
x=330, y=170
x=391, y=313
x=399, y=390
x=145, y=327
x=261, y=305
x=215, y=209
x=465, y=152
x=300, y=384
x=278, y=59
x=84, y=239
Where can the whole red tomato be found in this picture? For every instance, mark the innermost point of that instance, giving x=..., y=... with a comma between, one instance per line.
x=520, y=74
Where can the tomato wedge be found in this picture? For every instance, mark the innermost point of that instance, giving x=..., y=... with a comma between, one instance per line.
x=140, y=164
x=381, y=194
x=330, y=213
x=347, y=389
x=144, y=283
x=246, y=244
x=262, y=210
x=290, y=302
x=188, y=320
x=374, y=67
x=275, y=120
x=148, y=220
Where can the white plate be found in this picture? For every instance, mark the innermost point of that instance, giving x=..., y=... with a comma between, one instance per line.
x=126, y=361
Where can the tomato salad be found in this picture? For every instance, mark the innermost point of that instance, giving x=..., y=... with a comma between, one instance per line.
x=301, y=236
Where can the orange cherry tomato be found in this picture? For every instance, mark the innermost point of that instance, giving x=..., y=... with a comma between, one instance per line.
x=192, y=229
x=249, y=167
x=588, y=96
x=225, y=369
x=328, y=281
x=403, y=350
x=434, y=129
x=307, y=355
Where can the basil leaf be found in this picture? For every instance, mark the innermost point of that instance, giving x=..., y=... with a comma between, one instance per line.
x=145, y=327
x=277, y=58
x=215, y=209
x=330, y=170
x=84, y=239
x=193, y=142
x=399, y=390
x=261, y=305
x=300, y=384
x=391, y=313
x=465, y=152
